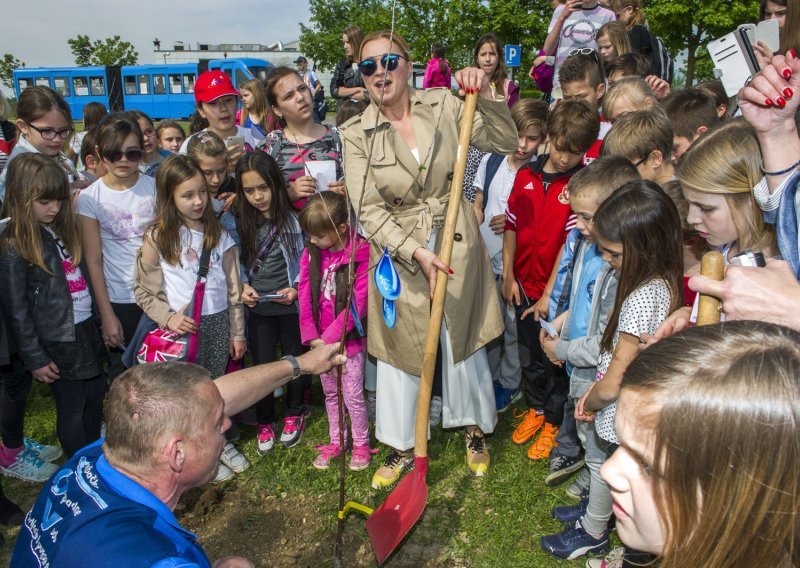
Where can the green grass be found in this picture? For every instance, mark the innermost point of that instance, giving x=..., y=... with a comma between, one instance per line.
x=492, y=521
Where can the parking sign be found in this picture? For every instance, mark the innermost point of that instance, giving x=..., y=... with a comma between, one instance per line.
x=513, y=55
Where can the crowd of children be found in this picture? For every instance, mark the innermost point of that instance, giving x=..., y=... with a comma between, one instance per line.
x=593, y=228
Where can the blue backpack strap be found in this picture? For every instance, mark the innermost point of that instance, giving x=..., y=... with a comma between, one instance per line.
x=492, y=165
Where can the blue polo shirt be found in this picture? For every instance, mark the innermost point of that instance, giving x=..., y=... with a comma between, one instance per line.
x=90, y=514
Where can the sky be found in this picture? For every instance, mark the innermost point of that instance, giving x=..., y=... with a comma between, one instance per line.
x=36, y=31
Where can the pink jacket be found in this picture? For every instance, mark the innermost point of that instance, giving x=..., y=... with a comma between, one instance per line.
x=329, y=327
x=434, y=76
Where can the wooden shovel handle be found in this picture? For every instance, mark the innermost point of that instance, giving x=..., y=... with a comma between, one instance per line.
x=708, y=309
x=437, y=307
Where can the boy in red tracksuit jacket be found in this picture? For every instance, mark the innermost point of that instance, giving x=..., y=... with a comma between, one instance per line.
x=538, y=218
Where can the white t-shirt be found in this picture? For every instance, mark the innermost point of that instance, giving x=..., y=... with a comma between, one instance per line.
x=579, y=31
x=180, y=279
x=250, y=141
x=123, y=216
x=642, y=312
x=499, y=189
x=78, y=289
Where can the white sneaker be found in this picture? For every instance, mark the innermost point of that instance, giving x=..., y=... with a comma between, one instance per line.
x=435, y=415
x=224, y=473
x=233, y=458
x=46, y=453
x=614, y=559
x=29, y=467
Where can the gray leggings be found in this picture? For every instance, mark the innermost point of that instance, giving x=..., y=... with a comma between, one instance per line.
x=598, y=512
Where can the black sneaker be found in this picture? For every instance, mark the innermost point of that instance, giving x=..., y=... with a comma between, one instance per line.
x=561, y=467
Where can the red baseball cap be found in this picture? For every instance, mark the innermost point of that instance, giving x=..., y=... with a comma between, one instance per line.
x=212, y=85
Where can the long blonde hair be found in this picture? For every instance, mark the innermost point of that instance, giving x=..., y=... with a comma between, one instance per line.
x=721, y=404
x=727, y=161
x=35, y=177
x=260, y=108
x=617, y=35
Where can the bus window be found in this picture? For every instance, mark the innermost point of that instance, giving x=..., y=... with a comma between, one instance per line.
x=130, y=84
x=81, y=86
x=159, y=85
x=258, y=71
x=61, y=86
x=24, y=84
x=144, y=84
x=175, y=84
x=241, y=78
x=188, y=83
x=42, y=81
x=98, y=86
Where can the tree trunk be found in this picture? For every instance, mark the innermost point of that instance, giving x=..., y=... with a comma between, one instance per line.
x=691, y=59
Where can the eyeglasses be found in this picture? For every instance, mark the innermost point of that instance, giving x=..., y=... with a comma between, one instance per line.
x=133, y=155
x=52, y=133
x=642, y=161
x=149, y=132
x=388, y=62
x=585, y=51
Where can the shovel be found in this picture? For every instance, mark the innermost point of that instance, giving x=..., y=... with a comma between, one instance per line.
x=401, y=510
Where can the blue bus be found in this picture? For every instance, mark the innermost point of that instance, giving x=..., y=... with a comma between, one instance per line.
x=160, y=91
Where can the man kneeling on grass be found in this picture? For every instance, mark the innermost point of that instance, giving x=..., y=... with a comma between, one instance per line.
x=111, y=504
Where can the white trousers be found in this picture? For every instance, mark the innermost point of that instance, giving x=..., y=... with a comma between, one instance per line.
x=467, y=397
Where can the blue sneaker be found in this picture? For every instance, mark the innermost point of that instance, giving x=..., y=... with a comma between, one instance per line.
x=574, y=542
x=568, y=514
x=504, y=398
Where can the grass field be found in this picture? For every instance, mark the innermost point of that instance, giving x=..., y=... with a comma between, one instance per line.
x=282, y=511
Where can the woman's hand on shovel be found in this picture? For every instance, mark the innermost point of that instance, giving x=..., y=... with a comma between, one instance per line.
x=430, y=264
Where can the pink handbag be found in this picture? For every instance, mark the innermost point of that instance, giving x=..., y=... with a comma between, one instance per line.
x=163, y=344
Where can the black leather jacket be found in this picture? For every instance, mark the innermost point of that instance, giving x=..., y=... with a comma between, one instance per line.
x=345, y=75
x=37, y=305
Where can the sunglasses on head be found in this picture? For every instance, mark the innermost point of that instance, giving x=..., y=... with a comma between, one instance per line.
x=388, y=62
x=585, y=51
x=130, y=155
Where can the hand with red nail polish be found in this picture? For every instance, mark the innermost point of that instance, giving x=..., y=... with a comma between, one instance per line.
x=787, y=73
x=788, y=93
x=780, y=102
x=768, y=102
x=792, y=52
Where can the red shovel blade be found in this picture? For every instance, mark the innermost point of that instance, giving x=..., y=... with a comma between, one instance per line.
x=401, y=510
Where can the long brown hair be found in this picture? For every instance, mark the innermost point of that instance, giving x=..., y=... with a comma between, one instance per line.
x=637, y=18
x=722, y=402
x=498, y=78
x=36, y=177
x=281, y=210
x=260, y=109
x=641, y=217
x=165, y=231
x=355, y=37
x=35, y=102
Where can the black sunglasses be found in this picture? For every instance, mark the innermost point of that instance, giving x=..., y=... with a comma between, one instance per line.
x=52, y=133
x=388, y=62
x=130, y=155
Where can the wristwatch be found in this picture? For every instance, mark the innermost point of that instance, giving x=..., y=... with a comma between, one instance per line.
x=295, y=366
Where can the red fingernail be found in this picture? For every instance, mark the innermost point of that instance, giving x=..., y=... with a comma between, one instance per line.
x=787, y=73
x=792, y=52
x=450, y=270
x=781, y=102
x=768, y=102
x=788, y=93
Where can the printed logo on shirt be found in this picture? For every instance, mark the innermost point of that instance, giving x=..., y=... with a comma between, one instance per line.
x=563, y=197
x=590, y=290
x=529, y=185
x=122, y=224
x=581, y=32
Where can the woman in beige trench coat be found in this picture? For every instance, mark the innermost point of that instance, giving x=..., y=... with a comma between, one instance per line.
x=401, y=158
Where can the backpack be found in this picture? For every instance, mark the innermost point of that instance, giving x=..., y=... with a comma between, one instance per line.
x=662, y=63
x=492, y=165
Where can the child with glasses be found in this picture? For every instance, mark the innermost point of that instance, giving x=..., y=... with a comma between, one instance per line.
x=113, y=214
x=153, y=154
x=574, y=25
x=45, y=124
x=645, y=138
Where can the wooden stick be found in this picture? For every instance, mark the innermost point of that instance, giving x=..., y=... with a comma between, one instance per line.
x=708, y=310
x=437, y=307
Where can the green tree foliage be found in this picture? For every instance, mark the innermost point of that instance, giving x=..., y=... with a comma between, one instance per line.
x=7, y=65
x=109, y=51
x=690, y=24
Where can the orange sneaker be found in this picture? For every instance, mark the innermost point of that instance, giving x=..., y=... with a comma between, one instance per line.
x=529, y=426
x=541, y=448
